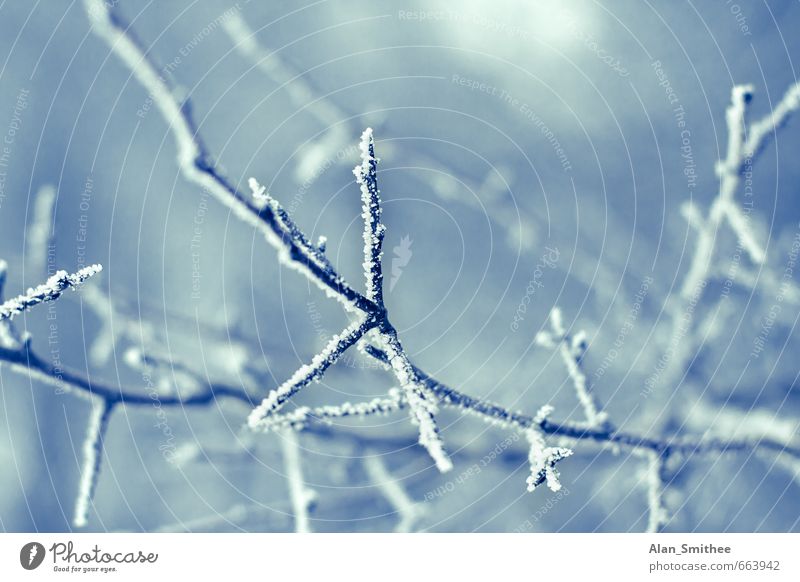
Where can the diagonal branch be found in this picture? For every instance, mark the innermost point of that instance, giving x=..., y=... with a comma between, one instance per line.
x=49, y=291
x=92, y=459
x=421, y=401
x=302, y=497
x=303, y=416
x=407, y=510
x=195, y=162
x=572, y=348
x=308, y=373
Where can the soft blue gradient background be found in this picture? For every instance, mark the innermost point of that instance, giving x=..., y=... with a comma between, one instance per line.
x=480, y=191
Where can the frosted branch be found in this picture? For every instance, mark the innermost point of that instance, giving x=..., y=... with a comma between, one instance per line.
x=743, y=146
x=497, y=415
x=367, y=178
x=572, y=349
x=9, y=337
x=658, y=516
x=309, y=373
x=753, y=423
x=767, y=126
x=408, y=511
x=542, y=458
x=421, y=402
x=49, y=291
x=303, y=416
x=92, y=459
x=302, y=498
x=195, y=163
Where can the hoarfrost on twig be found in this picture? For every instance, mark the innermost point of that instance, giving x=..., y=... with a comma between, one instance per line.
x=92, y=451
x=302, y=497
x=49, y=291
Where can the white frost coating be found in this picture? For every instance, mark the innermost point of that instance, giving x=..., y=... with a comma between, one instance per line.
x=92, y=458
x=301, y=417
x=374, y=229
x=572, y=349
x=40, y=229
x=542, y=458
x=193, y=160
x=49, y=291
x=302, y=497
x=421, y=401
x=9, y=338
x=743, y=147
x=289, y=231
x=658, y=516
x=308, y=373
x=408, y=511
x=761, y=130
x=752, y=424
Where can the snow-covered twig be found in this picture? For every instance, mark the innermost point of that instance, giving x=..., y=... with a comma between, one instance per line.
x=657, y=515
x=743, y=146
x=10, y=339
x=308, y=373
x=497, y=415
x=421, y=394
x=762, y=129
x=407, y=510
x=195, y=162
x=303, y=416
x=92, y=459
x=572, y=348
x=542, y=458
x=421, y=402
x=49, y=291
x=732, y=422
x=367, y=178
x=302, y=497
